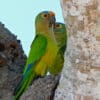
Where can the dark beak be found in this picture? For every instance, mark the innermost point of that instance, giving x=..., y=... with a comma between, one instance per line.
x=52, y=19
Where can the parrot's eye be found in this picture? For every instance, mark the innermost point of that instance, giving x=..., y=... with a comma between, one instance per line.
x=58, y=26
x=45, y=15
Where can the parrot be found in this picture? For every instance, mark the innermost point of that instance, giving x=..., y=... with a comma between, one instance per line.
x=61, y=38
x=43, y=51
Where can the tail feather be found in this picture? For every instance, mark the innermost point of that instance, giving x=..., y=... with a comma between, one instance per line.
x=20, y=91
x=18, y=86
x=26, y=80
x=21, y=82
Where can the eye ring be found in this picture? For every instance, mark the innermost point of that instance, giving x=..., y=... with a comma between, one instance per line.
x=44, y=15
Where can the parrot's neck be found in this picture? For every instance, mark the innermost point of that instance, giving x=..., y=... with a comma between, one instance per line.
x=48, y=32
x=41, y=28
x=51, y=35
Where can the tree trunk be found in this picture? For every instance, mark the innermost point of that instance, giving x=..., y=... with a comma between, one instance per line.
x=80, y=79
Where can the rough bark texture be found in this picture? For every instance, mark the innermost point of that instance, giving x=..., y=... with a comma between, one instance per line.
x=12, y=60
x=41, y=89
x=80, y=79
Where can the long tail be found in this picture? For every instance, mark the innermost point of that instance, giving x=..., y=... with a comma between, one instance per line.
x=26, y=80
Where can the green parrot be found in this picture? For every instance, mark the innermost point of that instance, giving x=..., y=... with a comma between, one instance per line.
x=42, y=52
x=61, y=38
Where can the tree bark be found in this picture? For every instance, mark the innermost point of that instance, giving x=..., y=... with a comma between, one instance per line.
x=80, y=79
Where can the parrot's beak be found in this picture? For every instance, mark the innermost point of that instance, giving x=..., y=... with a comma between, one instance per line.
x=52, y=19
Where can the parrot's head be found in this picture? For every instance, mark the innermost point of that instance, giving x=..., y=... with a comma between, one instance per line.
x=44, y=21
x=60, y=34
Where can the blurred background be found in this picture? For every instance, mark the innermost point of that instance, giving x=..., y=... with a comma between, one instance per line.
x=19, y=16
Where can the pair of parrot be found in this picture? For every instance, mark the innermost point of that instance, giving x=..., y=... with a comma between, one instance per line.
x=46, y=52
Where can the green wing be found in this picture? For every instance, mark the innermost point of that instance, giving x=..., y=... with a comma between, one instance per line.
x=57, y=66
x=38, y=48
x=63, y=48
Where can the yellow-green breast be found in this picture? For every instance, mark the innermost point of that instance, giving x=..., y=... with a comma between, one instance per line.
x=48, y=58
